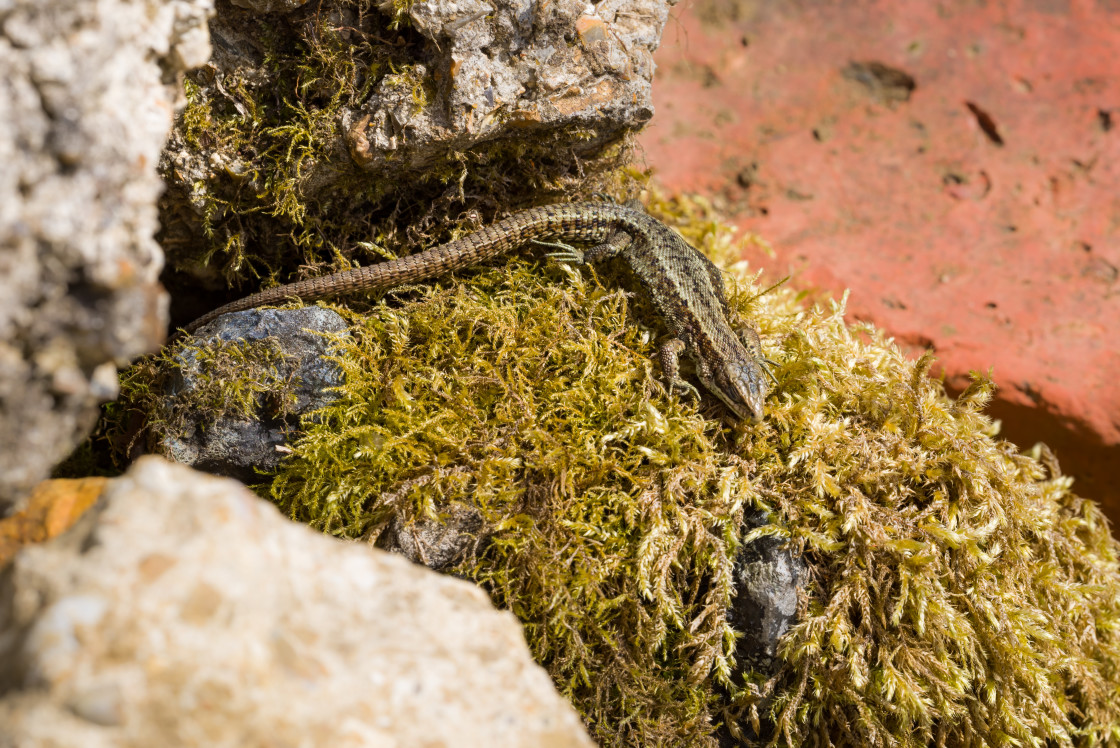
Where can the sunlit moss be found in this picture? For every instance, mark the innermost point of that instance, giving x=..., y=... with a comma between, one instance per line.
x=228, y=378
x=960, y=593
x=238, y=379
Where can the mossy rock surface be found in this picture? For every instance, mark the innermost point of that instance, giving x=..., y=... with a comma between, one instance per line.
x=961, y=593
x=274, y=171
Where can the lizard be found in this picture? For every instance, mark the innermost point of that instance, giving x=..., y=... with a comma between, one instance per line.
x=685, y=286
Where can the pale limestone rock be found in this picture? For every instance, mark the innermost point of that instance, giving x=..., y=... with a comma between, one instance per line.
x=87, y=93
x=183, y=610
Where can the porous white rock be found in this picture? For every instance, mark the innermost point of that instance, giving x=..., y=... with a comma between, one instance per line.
x=184, y=610
x=87, y=93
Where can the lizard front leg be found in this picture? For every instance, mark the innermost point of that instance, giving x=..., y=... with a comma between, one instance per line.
x=615, y=243
x=671, y=367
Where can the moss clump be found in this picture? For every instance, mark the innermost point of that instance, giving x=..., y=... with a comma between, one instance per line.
x=531, y=397
x=961, y=594
x=229, y=378
x=267, y=133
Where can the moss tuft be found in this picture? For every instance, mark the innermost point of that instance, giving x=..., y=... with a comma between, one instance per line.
x=961, y=593
x=229, y=378
x=238, y=379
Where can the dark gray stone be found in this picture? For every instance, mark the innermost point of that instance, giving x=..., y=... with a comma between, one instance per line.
x=435, y=542
x=768, y=581
x=241, y=447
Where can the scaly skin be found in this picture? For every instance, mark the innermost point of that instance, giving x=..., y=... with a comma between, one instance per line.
x=685, y=286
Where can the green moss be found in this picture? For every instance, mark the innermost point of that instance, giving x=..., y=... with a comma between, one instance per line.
x=399, y=11
x=961, y=593
x=235, y=378
x=603, y=492
x=270, y=127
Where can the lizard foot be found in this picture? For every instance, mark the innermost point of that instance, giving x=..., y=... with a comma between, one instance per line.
x=565, y=253
x=684, y=388
x=670, y=368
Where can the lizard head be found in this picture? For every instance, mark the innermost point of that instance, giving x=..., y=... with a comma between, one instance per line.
x=740, y=384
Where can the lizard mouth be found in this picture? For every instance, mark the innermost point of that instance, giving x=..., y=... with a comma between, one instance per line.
x=748, y=410
x=743, y=392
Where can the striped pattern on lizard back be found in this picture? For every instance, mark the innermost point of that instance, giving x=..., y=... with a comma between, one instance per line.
x=685, y=286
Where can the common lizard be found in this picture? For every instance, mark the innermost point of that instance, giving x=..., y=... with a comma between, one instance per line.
x=685, y=286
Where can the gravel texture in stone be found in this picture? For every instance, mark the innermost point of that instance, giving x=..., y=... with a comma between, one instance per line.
x=516, y=66
x=87, y=92
x=183, y=610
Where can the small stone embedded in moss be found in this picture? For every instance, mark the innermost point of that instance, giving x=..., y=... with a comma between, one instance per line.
x=769, y=579
x=436, y=542
x=241, y=385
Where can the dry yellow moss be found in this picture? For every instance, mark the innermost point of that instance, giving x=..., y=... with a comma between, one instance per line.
x=961, y=594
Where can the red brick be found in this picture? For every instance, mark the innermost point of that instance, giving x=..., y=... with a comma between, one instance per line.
x=979, y=216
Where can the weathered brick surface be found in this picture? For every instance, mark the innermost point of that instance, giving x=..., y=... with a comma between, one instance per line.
x=978, y=213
